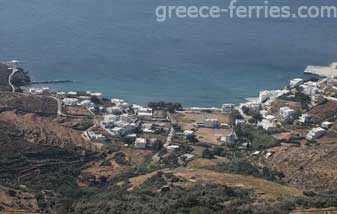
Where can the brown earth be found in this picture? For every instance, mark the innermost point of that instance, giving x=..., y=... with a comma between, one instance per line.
x=324, y=111
x=27, y=103
x=308, y=167
x=12, y=200
x=32, y=154
x=44, y=130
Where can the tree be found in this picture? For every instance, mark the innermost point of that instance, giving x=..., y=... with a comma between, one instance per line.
x=207, y=154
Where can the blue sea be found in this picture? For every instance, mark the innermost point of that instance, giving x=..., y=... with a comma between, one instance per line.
x=118, y=47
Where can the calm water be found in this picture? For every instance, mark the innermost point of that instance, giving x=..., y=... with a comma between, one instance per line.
x=117, y=47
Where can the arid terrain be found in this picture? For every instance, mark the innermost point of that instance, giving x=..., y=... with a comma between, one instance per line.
x=59, y=154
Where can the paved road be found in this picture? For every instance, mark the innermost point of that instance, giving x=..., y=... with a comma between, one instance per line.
x=246, y=117
x=10, y=79
x=59, y=108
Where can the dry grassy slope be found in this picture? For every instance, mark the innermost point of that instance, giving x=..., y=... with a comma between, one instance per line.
x=311, y=168
x=12, y=200
x=27, y=103
x=325, y=111
x=37, y=153
x=265, y=190
x=45, y=130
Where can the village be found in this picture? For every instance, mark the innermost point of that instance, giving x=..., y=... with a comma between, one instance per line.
x=299, y=114
x=279, y=145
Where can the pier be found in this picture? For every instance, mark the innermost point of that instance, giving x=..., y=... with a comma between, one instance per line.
x=322, y=71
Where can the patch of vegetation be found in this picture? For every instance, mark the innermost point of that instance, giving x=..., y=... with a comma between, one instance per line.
x=246, y=168
x=235, y=115
x=254, y=114
x=166, y=106
x=299, y=97
x=177, y=127
x=259, y=139
x=120, y=158
x=197, y=199
x=83, y=125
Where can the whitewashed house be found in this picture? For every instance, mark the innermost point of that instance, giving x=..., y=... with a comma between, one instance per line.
x=228, y=138
x=140, y=143
x=239, y=122
x=315, y=133
x=253, y=106
x=269, y=95
x=188, y=133
x=287, y=113
x=96, y=94
x=87, y=104
x=326, y=125
x=267, y=123
x=227, y=108
x=95, y=137
x=212, y=123
x=295, y=82
x=145, y=115
x=304, y=119
x=70, y=101
x=72, y=93
x=43, y=90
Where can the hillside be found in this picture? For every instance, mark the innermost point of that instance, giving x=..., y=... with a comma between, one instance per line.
x=21, y=78
x=27, y=103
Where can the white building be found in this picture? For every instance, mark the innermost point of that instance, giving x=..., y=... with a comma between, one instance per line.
x=147, y=128
x=72, y=93
x=287, y=113
x=43, y=90
x=253, y=106
x=188, y=133
x=61, y=94
x=304, y=119
x=70, y=101
x=116, y=131
x=212, y=123
x=326, y=125
x=87, y=104
x=138, y=109
x=309, y=88
x=239, y=122
x=120, y=103
x=270, y=95
x=268, y=122
x=114, y=110
x=96, y=94
x=145, y=115
x=315, y=133
x=227, y=108
x=229, y=138
x=95, y=137
x=295, y=82
x=140, y=143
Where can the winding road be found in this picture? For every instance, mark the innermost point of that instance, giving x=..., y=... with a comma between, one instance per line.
x=10, y=79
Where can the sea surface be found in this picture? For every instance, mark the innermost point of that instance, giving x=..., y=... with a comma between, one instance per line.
x=118, y=47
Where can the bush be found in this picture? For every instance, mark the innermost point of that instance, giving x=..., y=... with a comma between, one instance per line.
x=207, y=154
x=167, y=106
x=259, y=139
